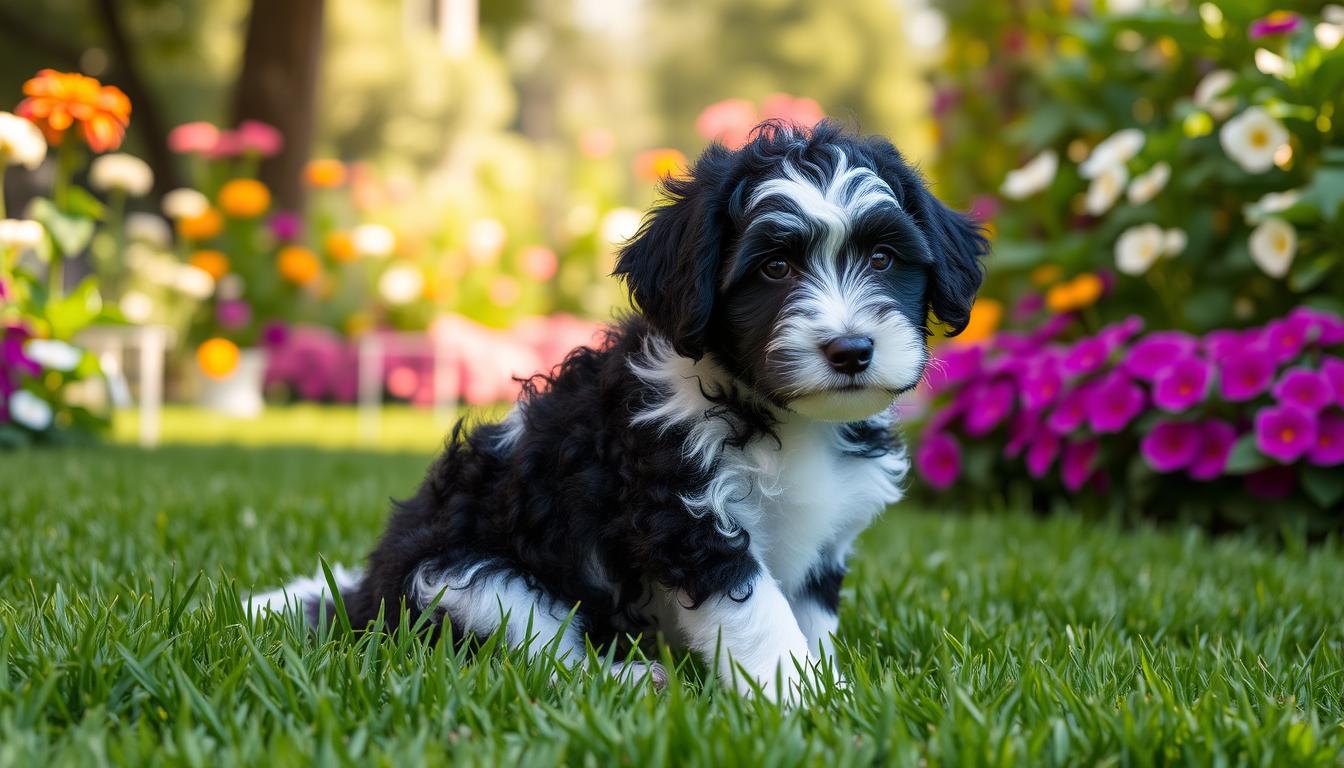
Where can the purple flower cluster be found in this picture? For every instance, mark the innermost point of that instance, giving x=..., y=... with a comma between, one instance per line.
x=14, y=365
x=1077, y=410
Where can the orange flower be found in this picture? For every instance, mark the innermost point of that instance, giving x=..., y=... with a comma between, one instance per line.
x=340, y=246
x=298, y=265
x=203, y=227
x=657, y=164
x=325, y=174
x=1045, y=274
x=58, y=100
x=213, y=263
x=985, y=317
x=1082, y=291
x=217, y=357
x=244, y=198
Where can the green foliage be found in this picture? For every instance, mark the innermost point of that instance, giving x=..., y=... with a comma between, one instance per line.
x=991, y=640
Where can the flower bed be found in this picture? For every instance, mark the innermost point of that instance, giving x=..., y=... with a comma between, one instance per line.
x=1157, y=423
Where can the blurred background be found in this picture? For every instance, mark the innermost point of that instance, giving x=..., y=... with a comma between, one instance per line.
x=234, y=208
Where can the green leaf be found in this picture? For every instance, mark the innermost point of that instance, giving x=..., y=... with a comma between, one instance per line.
x=1326, y=191
x=1307, y=276
x=1325, y=485
x=71, y=314
x=1245, y=457
x=69, y=233
x=79, y=202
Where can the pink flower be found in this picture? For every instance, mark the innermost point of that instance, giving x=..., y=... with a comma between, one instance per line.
x=1223, y=342
x=1075, y=466
x=1284, y=432
x=1307, y=389
x=1285, y=338
x=261, y=138
x=1153, y=353
x=984, y=208
x=953, y=365
x=1271, y=483
x=1182, y=384
x=228, y=145
x=538, y=262
x=1071, y=411
x=801, y=111
x=233, y=314
x=1172, y=445
x=1041, y=385
x=286, y=226
x=1329, y=447
x=1114, y=402
x=1216, y=441
x=729, y=122
x=1244, y=375
x=1276, y=23
x=1041, y=453
x=1325, y=327
x=1086, y=356
x=1021, y=430
x=1332, y=368
x=939, y=460
x=1118, y=334
x=193, y=138
x=987, y=406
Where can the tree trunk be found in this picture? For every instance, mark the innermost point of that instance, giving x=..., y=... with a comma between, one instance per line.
x=278, y=85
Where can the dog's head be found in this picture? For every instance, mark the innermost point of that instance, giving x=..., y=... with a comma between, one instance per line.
x=806, y=263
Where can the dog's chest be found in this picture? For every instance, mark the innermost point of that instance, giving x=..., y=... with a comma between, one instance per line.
x=809, y=498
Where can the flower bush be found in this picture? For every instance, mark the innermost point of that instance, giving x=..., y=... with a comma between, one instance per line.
x=1189, y=154
x=1158, y=422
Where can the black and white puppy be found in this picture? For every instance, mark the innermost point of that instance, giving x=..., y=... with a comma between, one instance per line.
x=703, y=473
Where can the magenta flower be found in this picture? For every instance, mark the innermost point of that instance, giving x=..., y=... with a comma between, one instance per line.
x=286, y=226
x=1276, y=23
x=952, y=365
x=1118, y=334
x=1086, y=356
x=1223, y=342
x=233, y=314
x=1113, y=404
x=1307, y=389
x=1326, y=328
x=1071, y=411
x=261, y=138
x=1041, y=453
x=987, y=405
x=1332, y=368
x=1216, y=441
x=1041, y=385
x=1021, y=430
x=1329, y=447
x=1075, y=465
x=1244, y=375
x=274, y=334
x=984, y=208
x=939, y=460
x=1285, y=338
x=1182, y=384
x=1152, y=354
x=1172, y=445
x=1272, y=483
x=1285, y=432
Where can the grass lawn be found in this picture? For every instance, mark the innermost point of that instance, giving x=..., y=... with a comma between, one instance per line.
x=974, y=640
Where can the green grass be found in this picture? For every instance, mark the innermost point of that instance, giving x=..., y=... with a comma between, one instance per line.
x=972, y=640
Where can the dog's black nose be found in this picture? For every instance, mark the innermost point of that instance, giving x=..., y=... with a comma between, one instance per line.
x=849, y=354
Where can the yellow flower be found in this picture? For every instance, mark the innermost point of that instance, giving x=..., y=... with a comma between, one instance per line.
x=298, y=265
x=217, y=357
x=202, y=227
x=340, y=246
x=213, y=263
x=1045, y=274
x=244, y=198
x=325, y=174
x=1082, y=291
x=985, y=317
x=659, y=164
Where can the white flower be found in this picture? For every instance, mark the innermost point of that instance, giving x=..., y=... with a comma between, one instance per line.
x=1124, y=7
x=1209, y=92
x=123, y=172
x=485, y=239
x=21, y=142
x=1138, y=248
x=1271, y=203
x=1146, y=185
x=1174, y=242
x=1328, y=36
x=1270, y=63
x=193, y=282
x=1333, y=14
x=401, y=284
x=185, y=204
x=53, y=354
x=1252, y=138
x=1105, y=189
x=136, y=307
x=1035, y=176
x=21, y=233
x=29, y=410
x=1117, y=149
x=373, y=240
x=148, y=228
x=1273, y=246
x=620, y=225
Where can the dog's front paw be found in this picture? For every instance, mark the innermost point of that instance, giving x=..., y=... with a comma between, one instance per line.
x=784, y=682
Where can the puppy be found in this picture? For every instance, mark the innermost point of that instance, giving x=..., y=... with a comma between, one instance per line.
x=704, y=472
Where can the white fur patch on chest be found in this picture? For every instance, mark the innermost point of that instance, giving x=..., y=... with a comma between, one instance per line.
x=802, y=498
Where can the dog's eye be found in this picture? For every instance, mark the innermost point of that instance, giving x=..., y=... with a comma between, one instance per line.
x=881, y=259
x=776, y=269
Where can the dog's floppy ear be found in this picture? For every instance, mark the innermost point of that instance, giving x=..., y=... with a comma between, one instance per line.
x=671, y=266
x=957, y=242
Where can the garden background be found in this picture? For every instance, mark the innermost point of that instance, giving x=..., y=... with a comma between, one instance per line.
x=320, y=231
